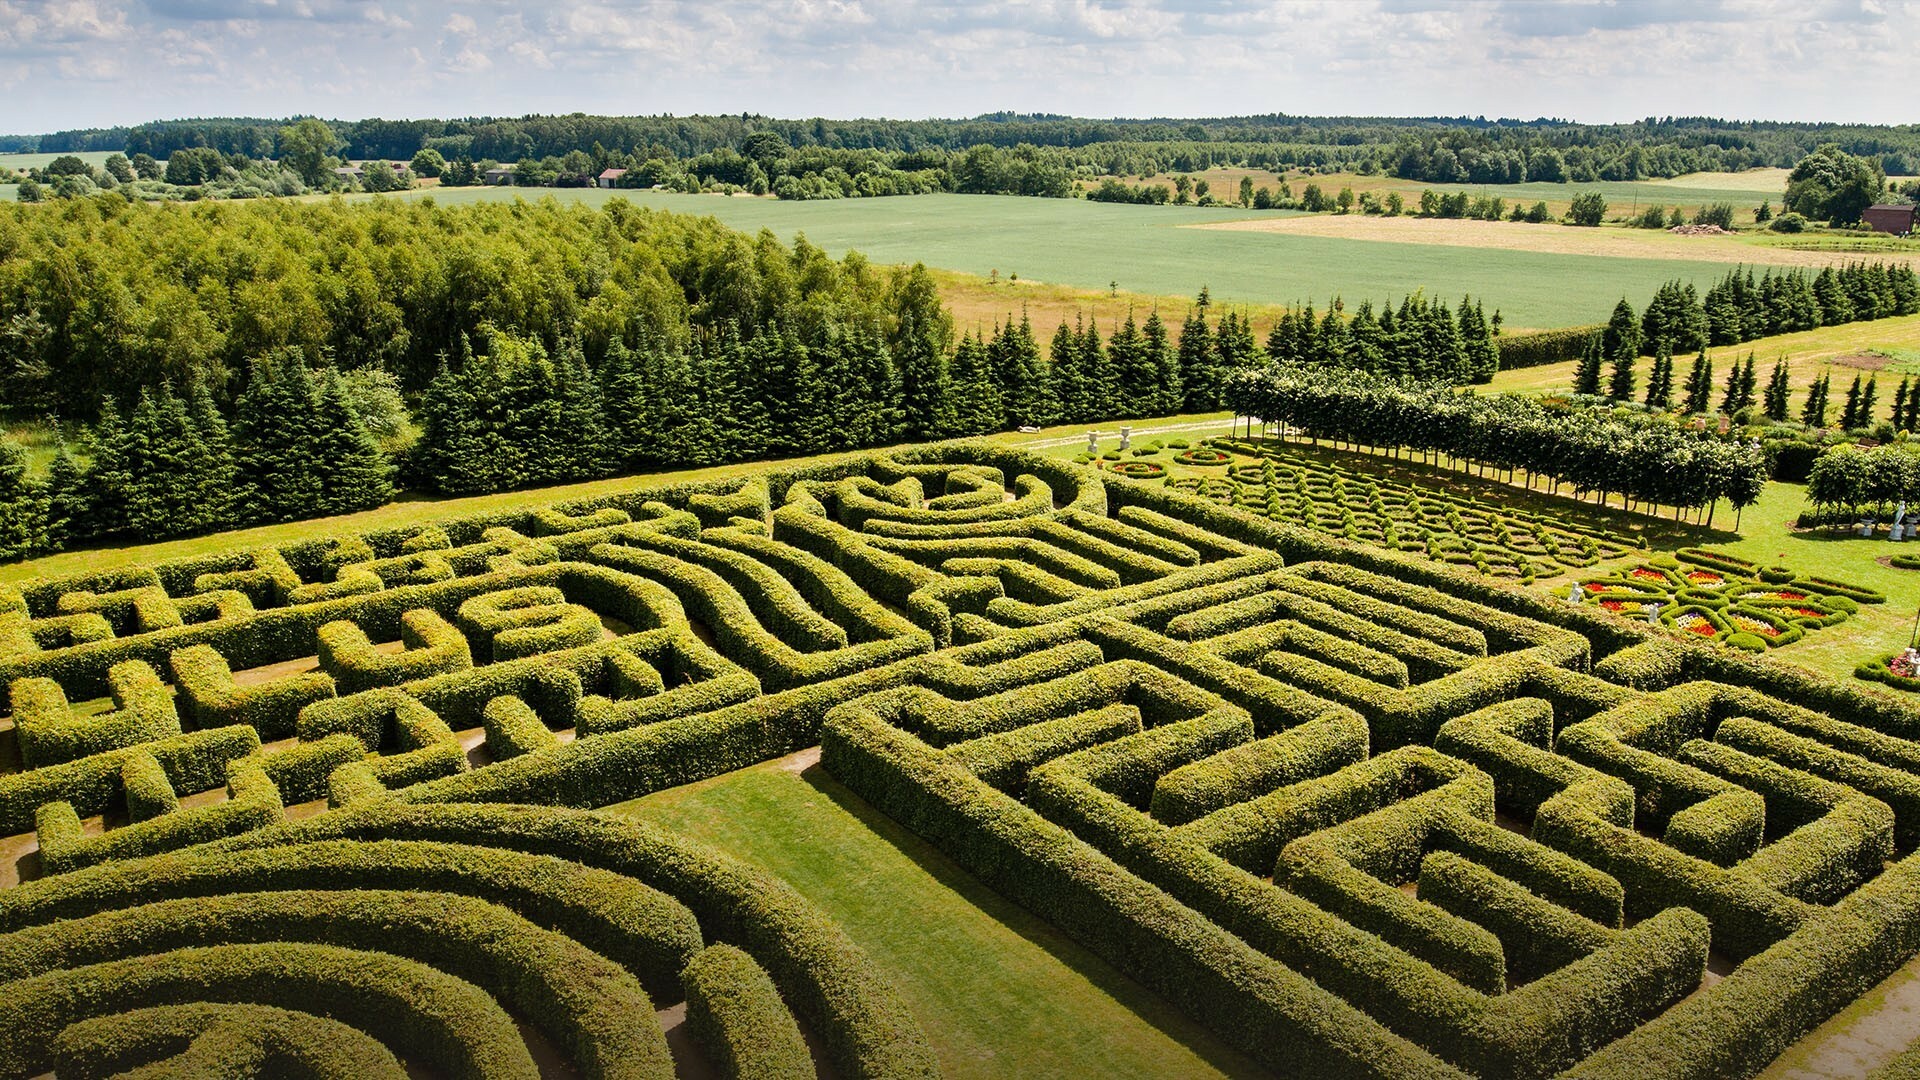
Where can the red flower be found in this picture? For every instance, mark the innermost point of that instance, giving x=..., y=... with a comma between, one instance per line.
x=1594, y=587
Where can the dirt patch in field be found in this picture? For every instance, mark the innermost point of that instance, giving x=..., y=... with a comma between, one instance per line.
x=1549, y=239
x=1865, y=361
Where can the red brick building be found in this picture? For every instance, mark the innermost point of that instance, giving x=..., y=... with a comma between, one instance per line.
x=1898, y=220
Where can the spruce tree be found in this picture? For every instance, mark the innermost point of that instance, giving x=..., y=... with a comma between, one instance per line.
x=1160, y=357
x=70, y=512
x=1369, y=341
x=110, y=473
x=1018, y=371
x=1699, y=388
x=1620, y=383
x=275, y=435
x=160, y=452
x=1621, y=339
x=1660, y=382
x=1814, y=414
x=213, y=475
x=1850, y=412
x=1477, y=343
x=355, y=474
x=1586, y=376
x=1730, y=393
x=1200, y=390
x=875, y=417
x=921, y=339
x=1867, y=401
x=1776, y=399
x=24, y=528
x=1134, y=392
x=1098, y=387
x=976, y=404
x=1901, y=403
x=1234, y=347
x=1069, y=382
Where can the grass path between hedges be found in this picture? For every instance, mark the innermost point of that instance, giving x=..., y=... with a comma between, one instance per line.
x=1000, y=992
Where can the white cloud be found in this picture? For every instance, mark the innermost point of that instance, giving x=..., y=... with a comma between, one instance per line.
x=78, y=62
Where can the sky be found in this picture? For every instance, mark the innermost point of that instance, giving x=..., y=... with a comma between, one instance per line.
x=83, y=63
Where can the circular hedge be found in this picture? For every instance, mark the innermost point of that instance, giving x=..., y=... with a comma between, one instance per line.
x=1139, y=470
x=1204, y=456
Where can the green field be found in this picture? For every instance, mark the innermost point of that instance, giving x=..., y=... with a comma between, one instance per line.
x=34, y=161
x=1145, y=249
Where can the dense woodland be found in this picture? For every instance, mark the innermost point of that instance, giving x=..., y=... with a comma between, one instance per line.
x=535, y=343
x=1019, y=154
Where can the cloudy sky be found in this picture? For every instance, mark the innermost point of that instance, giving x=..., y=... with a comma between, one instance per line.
x=72, y=63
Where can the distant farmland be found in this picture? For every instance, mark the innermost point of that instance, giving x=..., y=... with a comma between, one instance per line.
x=1144, y=249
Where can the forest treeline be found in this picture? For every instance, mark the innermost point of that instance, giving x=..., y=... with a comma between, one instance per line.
x=1430, y=149
x=530, y=344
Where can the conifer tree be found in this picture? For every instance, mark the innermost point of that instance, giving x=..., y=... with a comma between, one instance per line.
x=275, y=434
x=1586, y=377
x=1740, y=387
x=1620, y=382
x=976, y=401
x=1477, y=343
x=1660, y=382
x=921, y=340
x=1621, y=339
x=158, y=450
x=1134, y=393
x=1776, y=400
x=70, y=512
x=355, y=474
x=24, y=527
x=1902, y=402
x=1020, y=373
x=1069, y=382
x=1101, y=400
x=1699, y=388
x=1234, y=347
x=1850, y=412
x=1867, y=400
x=1164, y=363
x=1200, y=388
x=1814, y=414
x=213, y=475
x=1369, y=342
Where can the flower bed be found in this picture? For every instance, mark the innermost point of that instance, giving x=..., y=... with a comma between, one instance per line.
x=1743, y=610
x=1890, y=669
x=1139, y=470
x=1204, y=456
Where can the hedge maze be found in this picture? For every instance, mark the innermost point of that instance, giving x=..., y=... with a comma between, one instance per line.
x=327, y=810
x=1294, y=489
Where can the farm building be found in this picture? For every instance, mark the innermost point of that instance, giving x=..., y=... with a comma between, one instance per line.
x=1890, y=218
x=500, y=174
x=611, y=177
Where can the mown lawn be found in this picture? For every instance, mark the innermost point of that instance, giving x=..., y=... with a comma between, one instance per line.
x=999, y=992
